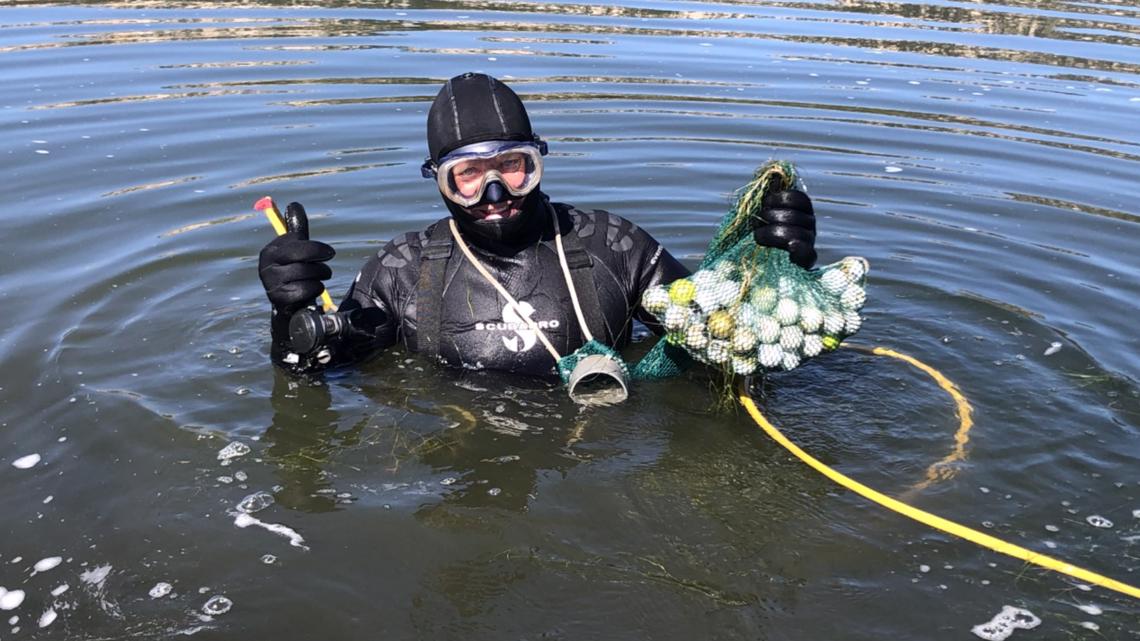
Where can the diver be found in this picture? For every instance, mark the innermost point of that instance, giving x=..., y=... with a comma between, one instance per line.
x=510, y=277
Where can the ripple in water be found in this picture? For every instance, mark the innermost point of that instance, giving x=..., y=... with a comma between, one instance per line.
x=1096, y=520
x=217, y=604
x=255, y=502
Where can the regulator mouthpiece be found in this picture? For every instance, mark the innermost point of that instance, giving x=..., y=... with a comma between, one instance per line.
x=598, y=380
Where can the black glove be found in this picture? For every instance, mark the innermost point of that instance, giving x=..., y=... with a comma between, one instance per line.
x=292, y=266
x=787, y=221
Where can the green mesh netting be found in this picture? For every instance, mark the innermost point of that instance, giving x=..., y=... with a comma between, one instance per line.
x=567, y=363
x=747, y=308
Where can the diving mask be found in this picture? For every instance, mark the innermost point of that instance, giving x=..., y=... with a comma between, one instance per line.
x=463, y=175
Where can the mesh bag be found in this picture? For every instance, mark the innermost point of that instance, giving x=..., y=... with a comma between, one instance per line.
x=749, y=309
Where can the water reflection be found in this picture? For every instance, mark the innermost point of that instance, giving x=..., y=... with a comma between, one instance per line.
x=488, y=451
x=921, y=18
x=470, y=504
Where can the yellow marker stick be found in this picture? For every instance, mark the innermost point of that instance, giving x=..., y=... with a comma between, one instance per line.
x=267, y=205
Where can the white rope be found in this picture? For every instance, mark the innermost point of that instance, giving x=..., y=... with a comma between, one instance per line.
x=566, y=275
x=502, y=290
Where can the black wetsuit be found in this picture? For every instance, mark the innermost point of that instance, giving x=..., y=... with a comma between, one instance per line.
x=476, y=327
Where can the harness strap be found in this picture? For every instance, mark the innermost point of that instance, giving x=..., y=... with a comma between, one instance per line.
x=581, y=267
x=429, y=292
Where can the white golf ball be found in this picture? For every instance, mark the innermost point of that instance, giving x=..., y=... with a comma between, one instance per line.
x=832, y=323
x=853, y=297
x=743, y=364
x=718, y=351
x=706, y=299
x=727, y=292
x=676, y=317
x=655, y=300
x=770, y=356
x=768, y=330
x=790, y=360
x=812, y=346
x=811, y=319
x=834, y=281
x=791, y=337
x=696, y=337
x=743, y=339
x=705, y=279
x=787, y=311
x=764, y=299
x=855, y=267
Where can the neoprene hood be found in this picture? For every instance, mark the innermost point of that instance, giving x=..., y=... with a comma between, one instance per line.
x=473, y=108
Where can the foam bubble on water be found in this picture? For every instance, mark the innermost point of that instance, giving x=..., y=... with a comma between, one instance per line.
x=216, y=605
x=47, y=618
x=1096, y=520
x=96, y=576
x=255, y=502
x=924, y=568
x=14, y=620
x=891, y=169
x=160, y=590
x=60, y=589
x=1009, y=619
x=1090, y=625
x=10, y=599
x=26, y=462
x=232, y=451
x=1052, y=528
x=243, y=520
x=1090, y=609
x=43, y=565
x=268, y=559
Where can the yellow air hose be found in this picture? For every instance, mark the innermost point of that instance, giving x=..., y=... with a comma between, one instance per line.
x=926, y=518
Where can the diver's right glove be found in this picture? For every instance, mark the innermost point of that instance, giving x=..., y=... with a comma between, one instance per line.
x=787, y=221
x=292, y=267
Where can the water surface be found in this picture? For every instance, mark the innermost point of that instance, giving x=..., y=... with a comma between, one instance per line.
x=983, y=156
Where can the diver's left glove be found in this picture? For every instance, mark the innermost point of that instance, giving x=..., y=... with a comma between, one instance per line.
x=787, y=221
x=291, y=268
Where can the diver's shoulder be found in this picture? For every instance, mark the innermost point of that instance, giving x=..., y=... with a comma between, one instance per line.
x=587, y=221
x=405, y=248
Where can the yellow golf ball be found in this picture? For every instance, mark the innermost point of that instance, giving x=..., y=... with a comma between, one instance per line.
x=721, y=324
x=682, y=291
